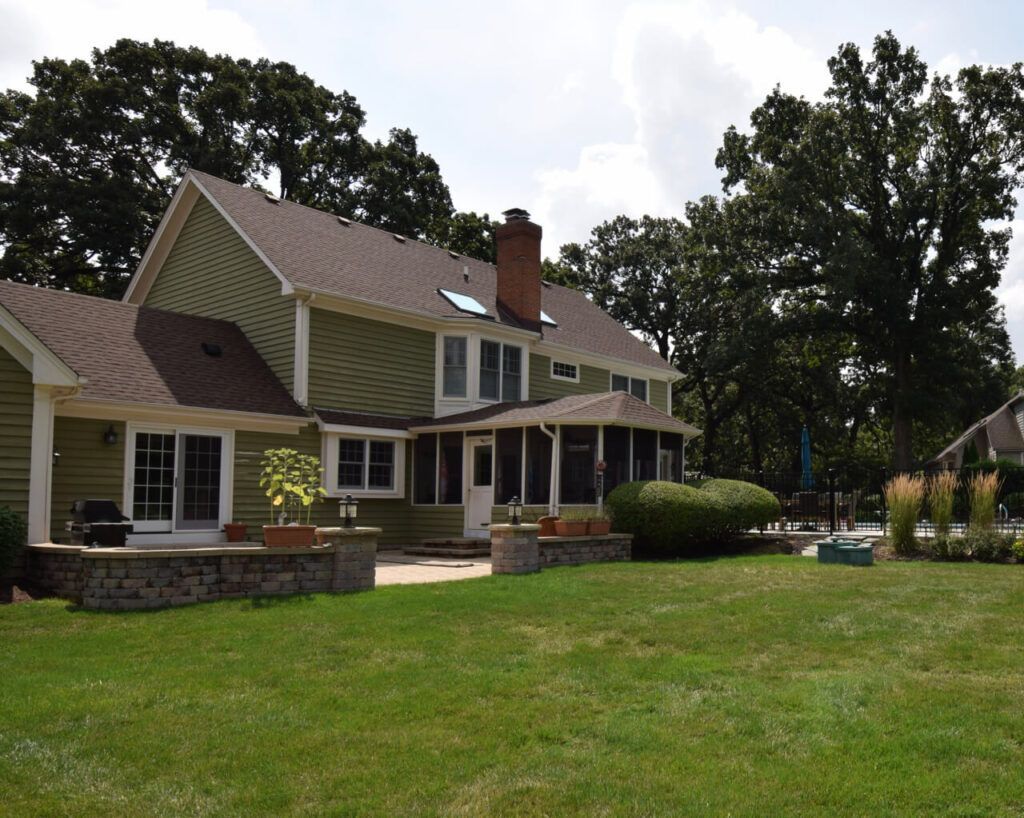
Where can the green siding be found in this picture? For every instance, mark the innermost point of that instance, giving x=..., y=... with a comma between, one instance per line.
x=658, y=393
x=212, y=272
x=370, y=366
x=87, y=468
x=542, y=385
x=15, y=433
x=402, y=523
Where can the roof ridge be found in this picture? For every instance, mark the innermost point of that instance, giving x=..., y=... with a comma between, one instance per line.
x=356, y=222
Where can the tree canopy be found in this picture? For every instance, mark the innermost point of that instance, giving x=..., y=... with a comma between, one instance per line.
x=88, y=161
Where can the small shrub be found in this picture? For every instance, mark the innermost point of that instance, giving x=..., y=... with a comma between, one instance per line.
x=941, y=493
x=988, y=545
x=983, y=490
x=945, y=547
x=904, y=495
x=13, y=535
x=1018, y=550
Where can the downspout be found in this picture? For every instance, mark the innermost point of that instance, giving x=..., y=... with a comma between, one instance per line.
x=552, y=504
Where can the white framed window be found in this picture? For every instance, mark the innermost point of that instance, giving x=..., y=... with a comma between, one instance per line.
x=501, y=371
x=454, y=379
x=364, y=466
x=564, y=371
x=637, y=387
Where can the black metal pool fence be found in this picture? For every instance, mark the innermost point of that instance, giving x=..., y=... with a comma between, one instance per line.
x=852, y=499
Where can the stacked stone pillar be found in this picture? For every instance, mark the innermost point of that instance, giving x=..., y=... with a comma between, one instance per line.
x=515, y=549
x=355, y=557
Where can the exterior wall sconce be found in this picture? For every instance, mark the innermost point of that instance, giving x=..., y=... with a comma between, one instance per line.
x=110, y=436
x=348, y=506
x=55, y=458
x=515, y=510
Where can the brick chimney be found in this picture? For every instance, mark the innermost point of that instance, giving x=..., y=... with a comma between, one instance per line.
x=518, y=241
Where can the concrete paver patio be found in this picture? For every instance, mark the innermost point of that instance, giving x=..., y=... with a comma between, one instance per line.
x=396, y=568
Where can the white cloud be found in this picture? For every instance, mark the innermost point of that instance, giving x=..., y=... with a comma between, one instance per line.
x=1011, y=290
x=685, y=72
x=71, y=28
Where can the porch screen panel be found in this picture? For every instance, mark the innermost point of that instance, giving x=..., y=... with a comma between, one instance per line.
x=670, y=456
x=538, y=467
x=425, y=469
x=154, y=477
x=509, y=465
x=616, y=457
x=645, y=454
x=579, y=462
x=449, y=478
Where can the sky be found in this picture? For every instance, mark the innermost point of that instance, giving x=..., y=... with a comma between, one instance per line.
x=577, y=111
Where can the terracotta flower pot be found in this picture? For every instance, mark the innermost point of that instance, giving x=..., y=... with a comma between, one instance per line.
x=599, y=527
x=288, y=536
x=547, y=526
x=571, y=528
x=235, y=531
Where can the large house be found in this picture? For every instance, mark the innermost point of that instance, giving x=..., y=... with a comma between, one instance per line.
x=434, y=387
x=998, y=436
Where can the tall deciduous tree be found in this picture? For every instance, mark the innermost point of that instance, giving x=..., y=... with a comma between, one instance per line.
x=881, y=206
x=88, y=163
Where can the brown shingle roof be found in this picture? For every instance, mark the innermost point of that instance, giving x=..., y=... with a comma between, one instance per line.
x=1000, y=428
x=145, y=355
x=313, y=250
x=604, y=407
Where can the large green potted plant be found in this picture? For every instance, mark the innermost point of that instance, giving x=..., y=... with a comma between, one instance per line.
x=292, y=482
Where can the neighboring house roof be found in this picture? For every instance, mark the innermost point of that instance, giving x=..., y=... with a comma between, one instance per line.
x=315, y=251
x=605, y=407
x=135, y=354
x=1001, y=429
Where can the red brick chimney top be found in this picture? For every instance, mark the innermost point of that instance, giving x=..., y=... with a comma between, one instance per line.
x=519, y=288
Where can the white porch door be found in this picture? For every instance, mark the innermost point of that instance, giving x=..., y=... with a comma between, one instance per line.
x=480, y=497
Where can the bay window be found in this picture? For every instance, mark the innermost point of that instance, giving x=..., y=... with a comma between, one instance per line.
x=637, y=387
x=454, y=379
x=501, y=367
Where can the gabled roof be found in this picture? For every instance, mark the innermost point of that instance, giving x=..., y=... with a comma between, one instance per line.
x=1001, y=427
x=314, y=251
x=131, y=354
x=612, y=408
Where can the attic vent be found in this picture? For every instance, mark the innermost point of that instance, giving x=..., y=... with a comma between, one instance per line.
x=270, y=197
x=453, y=254
x=344, y=221
x=465, y=272
x=399, y=237
x=213, y=350
x=544, y=283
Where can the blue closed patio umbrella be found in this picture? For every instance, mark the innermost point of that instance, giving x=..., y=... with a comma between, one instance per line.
x=806, y=475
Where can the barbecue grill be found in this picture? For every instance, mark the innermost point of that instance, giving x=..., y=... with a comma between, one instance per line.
x=98, y=522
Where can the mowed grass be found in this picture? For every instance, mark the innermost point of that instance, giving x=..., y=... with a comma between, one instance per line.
x=743, y=686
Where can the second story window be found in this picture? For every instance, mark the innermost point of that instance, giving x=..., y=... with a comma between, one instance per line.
x=454, y=367
x=501, y=368
x=637, y=387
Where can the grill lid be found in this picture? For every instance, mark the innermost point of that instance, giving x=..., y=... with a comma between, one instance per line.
x=96, y=511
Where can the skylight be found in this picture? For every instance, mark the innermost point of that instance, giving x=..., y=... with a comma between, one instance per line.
x=464, y=303
x=547, y=319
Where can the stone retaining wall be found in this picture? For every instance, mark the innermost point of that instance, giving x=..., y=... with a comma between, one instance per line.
x=580, y=550
x=128, y=579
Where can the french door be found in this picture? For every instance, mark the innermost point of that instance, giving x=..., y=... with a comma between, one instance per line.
x=177, y=481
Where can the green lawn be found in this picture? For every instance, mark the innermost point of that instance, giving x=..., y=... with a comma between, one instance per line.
x=744, y=686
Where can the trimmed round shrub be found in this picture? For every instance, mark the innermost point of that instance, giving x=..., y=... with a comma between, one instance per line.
x=669, y=518
x=13, y=534
x=746, y=506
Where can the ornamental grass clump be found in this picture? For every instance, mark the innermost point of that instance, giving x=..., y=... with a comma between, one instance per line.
x=983, y=491
x=941, y=493
x=904, y=494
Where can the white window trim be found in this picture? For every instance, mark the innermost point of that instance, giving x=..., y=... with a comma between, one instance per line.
x=447, y=406
x=330, y=464
x=439, y=368
x=555, y=377
x=631, y=378
x=227, y=480
x=523, y=355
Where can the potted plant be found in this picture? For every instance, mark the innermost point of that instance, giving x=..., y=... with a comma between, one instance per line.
x=292, y=482
x=572, y=523
x=235, y=531
x=599, y=522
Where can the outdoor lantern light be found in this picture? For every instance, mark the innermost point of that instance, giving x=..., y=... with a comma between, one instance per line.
x=110, y=436
x=348, y=509
x=515, y=510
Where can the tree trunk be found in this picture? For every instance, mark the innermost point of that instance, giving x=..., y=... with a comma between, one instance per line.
x=902, y=429
x=708, y=439
x=755, y=440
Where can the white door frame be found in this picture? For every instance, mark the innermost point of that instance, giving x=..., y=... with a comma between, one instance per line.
x=472, y=527
x=227, y=437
